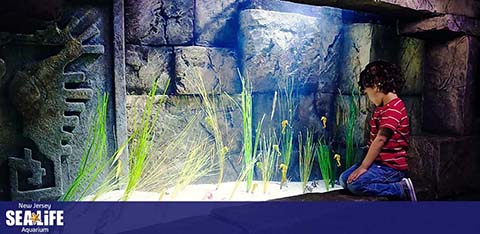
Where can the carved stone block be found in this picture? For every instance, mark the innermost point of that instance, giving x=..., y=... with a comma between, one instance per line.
x=53, y=78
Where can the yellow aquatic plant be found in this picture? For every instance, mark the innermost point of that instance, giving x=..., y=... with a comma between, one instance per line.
x=196, y=166
x=210, y=104
x=267, y=158
x=119, y=168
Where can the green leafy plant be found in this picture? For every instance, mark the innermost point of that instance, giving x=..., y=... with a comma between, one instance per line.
x=142, y=142
x=247, y=169
x=287, y=109
x=249, y=150
x=94, y=158
x=269, y=153
x=180, y=161
x=305, y=158
x=350, y=133
x=146, y=169
x=350, y=111
x=113, y=179
x=324, y=163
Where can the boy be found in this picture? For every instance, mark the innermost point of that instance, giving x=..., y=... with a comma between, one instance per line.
x=383, y=170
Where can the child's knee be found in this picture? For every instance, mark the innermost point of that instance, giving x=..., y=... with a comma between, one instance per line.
x=343, y=180
x=356, y=187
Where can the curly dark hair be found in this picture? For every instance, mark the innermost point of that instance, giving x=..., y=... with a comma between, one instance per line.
x=384, y=75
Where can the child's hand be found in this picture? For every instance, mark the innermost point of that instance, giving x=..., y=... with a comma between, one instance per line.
x=355, y=174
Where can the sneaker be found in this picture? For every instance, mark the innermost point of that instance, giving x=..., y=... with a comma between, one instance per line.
x=409, y=189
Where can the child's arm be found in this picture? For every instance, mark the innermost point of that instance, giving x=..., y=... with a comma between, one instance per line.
x=380, y=140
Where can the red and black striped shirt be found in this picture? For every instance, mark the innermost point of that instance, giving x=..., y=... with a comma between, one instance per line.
x=393, y=116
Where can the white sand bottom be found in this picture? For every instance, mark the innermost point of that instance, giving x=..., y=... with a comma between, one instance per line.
x=209, y=192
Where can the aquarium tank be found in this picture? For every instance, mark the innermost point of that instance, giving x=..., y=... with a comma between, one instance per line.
x=206, y=100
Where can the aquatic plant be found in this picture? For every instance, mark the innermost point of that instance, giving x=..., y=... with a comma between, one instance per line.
x=349, y=136
x=94, y=158
x=287, y=109
x=324, y=162
x=193, y=163
x=146, y=169
x=305, y=157
x=142, y=142
x=283, y=168
x=114, y=178
x=247, y=115
x=274, y=105
x=210, y=106
x=189, y=164
x=350, y=123
x=96, y=167
x=267, y=158
x=157, y=176
x=249, y=146
x=196, y=166
x=247, y=169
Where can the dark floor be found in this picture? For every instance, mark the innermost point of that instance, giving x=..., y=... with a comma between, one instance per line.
x=344, y=195
x=470, y=196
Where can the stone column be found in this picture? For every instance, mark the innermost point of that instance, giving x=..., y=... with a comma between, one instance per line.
x=445, y=162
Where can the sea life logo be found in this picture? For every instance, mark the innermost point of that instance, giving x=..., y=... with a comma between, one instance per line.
x=34, y=218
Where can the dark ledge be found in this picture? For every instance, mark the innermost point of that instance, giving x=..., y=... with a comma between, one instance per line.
x=390, y=8
x=337, y=195
x=446, y=24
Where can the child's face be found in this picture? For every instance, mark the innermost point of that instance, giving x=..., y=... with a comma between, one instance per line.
x=375, y=95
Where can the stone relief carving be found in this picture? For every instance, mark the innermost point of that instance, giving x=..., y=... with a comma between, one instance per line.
x=49, y=101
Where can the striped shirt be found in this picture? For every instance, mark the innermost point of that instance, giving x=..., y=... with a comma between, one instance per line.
x=393, y=116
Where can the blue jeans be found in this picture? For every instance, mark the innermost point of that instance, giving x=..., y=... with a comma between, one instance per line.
x=378, y=180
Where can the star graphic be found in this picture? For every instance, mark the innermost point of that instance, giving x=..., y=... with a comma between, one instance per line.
x=35, y=218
